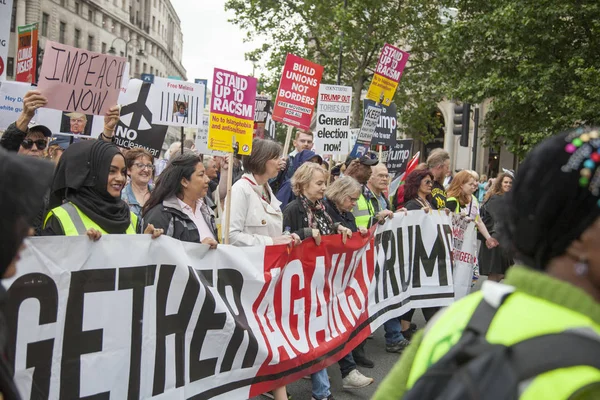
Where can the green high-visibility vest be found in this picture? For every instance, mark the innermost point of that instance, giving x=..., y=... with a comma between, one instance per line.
x=74, y=222
x=519, y=318
x=363, y=212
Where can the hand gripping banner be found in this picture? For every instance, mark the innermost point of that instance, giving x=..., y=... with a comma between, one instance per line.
x=128, y=317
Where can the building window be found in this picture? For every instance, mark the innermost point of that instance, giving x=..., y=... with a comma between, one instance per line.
x=104, y=21
x=62, y=31
x=151, y=69
x=137, y=66
x=77, y=37
x=103, y=48
x=10, y=65
x=122, y=54
x=63, y=2
x=90, y=45
x=13, y=18
x=77, y=8
x=91, y=15
x=45, y=19
x=145, y=67
x=153, y=22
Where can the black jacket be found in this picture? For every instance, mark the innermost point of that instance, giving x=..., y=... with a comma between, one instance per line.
x=170, y=217
x=295, y=220
x=346, y=219
x=12, y=138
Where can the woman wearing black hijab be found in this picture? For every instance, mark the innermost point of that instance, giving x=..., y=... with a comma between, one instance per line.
x=23, y=183
x=548, y=305
x=86, y=193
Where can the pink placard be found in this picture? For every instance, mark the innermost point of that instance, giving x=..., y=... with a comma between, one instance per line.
x=79, y=80
x=391, y=63
x=233, y=94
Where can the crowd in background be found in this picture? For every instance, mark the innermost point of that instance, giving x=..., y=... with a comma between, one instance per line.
x=99, y=189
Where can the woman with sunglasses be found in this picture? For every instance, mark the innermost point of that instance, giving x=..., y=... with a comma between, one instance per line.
x=86, y=193
x=140, y=168
x=417, y=190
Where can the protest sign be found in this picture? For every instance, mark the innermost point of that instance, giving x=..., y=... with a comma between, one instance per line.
x=27, y=53
x=297, y=93
x=136, y=127
x=385, y=131
x=176, y=103
x=69, y=124
x=202, y=139
x=398, y=156
x=389, y=70
x=205, y=83
x=78, y=80
x=132, y=317
x=11, y=101
x=6, y=11
x=363, y=141
x=232, y=112
x=333, y=119
x=464, y=254
x=262, y=112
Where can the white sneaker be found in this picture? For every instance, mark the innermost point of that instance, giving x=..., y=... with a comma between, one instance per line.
x=356, y=380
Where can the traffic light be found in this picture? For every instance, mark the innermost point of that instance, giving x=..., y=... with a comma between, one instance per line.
x=462, y=118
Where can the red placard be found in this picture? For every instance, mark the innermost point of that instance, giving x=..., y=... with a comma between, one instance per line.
x=298, y=91
x=27, y=53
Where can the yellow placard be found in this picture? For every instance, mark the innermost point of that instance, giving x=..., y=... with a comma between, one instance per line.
x=382, y=85
x=222, y=129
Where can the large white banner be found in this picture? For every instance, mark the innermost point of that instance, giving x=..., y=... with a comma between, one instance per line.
x=6, y=9
x=128, y=317
x=333, y=119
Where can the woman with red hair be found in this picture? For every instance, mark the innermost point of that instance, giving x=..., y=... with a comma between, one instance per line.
x=417, y=190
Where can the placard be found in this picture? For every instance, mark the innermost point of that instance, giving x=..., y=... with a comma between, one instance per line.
x=385, y=131
x=78, y=80
x=333, y=119
x=232, y=112
x=26, y=63
x=398, y=156
x=389, y=70
x=175, y=102
x=297, y=93
x=363, y=141
x=262, y=113
x=11, y=101
x=6, y=11
x=136, y=127
x=201, y=142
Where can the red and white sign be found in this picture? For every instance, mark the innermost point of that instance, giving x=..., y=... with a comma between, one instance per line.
x=297, y=93
x=132, y=317
x=27, y=53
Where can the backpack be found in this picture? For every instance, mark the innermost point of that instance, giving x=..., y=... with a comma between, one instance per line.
x=476, y=369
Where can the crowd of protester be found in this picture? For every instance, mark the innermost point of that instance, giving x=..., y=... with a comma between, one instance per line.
x=98, y=188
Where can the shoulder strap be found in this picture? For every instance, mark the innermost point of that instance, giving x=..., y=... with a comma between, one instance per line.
x=482, y=318
x=540, y=354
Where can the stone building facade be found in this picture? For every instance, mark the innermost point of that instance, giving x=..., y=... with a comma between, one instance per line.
x=151, y=28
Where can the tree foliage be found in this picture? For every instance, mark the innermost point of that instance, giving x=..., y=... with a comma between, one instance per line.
x=315, y=29
x=536, y=60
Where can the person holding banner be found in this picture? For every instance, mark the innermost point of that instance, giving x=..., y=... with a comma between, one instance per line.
x=537, y=334
x=256, y=217
x=306, y=217
x=461, y=201
x=23, y=183
x=177, y=203
x=140, y=168
x=340, y=198
x=85, y=197
x=438, y=163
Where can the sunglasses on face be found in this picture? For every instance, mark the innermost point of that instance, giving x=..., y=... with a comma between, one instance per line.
x=28, y=144
x=429, y=183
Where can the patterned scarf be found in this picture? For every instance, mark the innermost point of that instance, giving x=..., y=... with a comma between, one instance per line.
x=317, y=216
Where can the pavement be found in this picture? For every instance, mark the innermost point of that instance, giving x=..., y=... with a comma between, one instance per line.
x=375, y=349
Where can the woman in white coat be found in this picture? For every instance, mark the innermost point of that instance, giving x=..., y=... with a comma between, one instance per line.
x=256, y=217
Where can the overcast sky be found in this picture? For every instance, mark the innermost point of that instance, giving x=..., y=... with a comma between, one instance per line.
x=210, y=41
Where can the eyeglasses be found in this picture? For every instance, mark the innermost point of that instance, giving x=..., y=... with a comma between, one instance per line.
x=353, y=199
x=144, y=166
x=28, y=144
x=429, y=183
